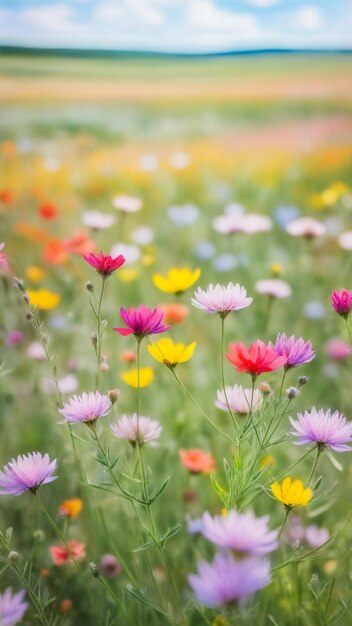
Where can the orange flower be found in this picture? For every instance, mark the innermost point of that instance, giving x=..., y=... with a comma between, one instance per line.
x=65, y=606
x=55, y=253
x=128, y=356
x=79, y=243
x=48, y=211
x=174, y=313
x=6, y=196
x=31, y=232
x=197, y=461
x=61, y=555
x=71, y=508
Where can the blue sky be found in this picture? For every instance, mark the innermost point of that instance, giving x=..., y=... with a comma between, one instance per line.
x=177, y=25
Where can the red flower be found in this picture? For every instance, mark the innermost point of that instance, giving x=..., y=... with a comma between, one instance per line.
x=79, y=243
x=258, y=359
x=48, y=211
x=61, y=555
x=105, y=265
x=342, y=302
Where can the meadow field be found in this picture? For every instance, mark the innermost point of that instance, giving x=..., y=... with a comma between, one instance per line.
x=232, y=171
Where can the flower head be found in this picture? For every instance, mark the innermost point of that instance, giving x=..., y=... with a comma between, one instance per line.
x=109, y=566
x=338, y=350
x=104, y=264
x=27, y=473
x=142, y=321
x=292, y=492
x=136, y=429
x=226, y=580
x=197, y=461
x=170, y=353
x=12, y=607
x=274, y=287
x=127, y=204
x=48, y=211
x=297, y=351
x=177, y=279
x=241, y=532
x=97, y=220
x=240, y=400
x=221, y=299
x=306, y=227
x=323, y=428
x=174, y=312
x=342, y=302
x=43, y=299
x=86, y=408
x=146, y=377
x=71, y=507
x=259, y=358
x=4, y=264
x=61, y=555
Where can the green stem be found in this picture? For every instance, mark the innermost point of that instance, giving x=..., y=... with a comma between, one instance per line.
x=288, y=511
x=114, y=597
x=99, y=332
x=282, y=382
x=314, y=465
x=139, y=341
x=35, y=599
x=223, y=382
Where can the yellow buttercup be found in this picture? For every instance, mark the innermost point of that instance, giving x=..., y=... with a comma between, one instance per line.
x=292, y=492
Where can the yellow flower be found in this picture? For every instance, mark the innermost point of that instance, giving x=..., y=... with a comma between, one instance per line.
x=146, y=377
x=71, y=507
x=128, y=274
x=170, y=353
x=292, y=492
x=220, y=621
x=276, y=269
x=34, y=273
x=267, y=461
x=43, y=299
x=177, y=279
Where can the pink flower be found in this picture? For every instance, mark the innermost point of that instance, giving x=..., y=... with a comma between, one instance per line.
x=342, y=302
x=109, y=566
x=104, y=264
x=61, y=555
x=14, y=337
x=306, y=227
x=258, y=359
x=86, y=408
x=274, y=287
x=137, y=430
x=142, y=321
x=242, y=532
x=338, y=350
x=27, y=473
x=4, y=264
x=221, y=299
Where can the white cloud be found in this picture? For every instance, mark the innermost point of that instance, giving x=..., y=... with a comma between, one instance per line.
x=308, y=18
x=128, y=11
x=263, y=4
x=205, y=14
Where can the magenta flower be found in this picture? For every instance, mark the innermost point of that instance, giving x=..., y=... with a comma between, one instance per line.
x=109, y=566
x=142, y=322
x=12, y=607
x=342, y=302
x=27, y=473
x=86, y=408
x=323, y=428
x=225, y=580
x=4, y=263
x=221, y=299
x=297, y=351
x=241, y=532
x=105, y=265
x=137, y=430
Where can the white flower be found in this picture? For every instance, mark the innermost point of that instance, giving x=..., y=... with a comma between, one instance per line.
x=98, y=220
x=239, y=399
x=273, y=287
x=345, y=240
x=306, y=227
x=136, y=429
x=221, y=299
x=127, y=204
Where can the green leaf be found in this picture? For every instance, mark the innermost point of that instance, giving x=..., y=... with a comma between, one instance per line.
x=171, y=532
x=136, y=593
x=159, y=491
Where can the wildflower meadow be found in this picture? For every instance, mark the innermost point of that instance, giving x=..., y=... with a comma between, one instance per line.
x=176, y=332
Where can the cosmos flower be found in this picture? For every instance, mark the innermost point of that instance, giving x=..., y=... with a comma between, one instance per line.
x=323, y=428
x=345, y=240
x=12, y=607
x=137, y=430
x=226, y=580
x=297, y=351
x=221, y=299
x=109, y=566
x=146, y=377
x=274, y=287
x=105, y=265
x=61, y=555
x=291, y=492
x=240, y=400
x=197, y=461
x=241, y=532
x=78, y=243
x=71, y=507
x=338, y=350
x=127, y=204
x=342, y=302
x=97, y=220
x=258, y=359
x=43, y=299
x=236, y=222
x=177, y=280
x=4, y=264
x=170, y=353
x=86, y=408
x=141, y=322
x=306, y=227
x=27, y=473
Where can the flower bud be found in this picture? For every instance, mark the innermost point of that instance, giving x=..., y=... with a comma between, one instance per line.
x=39, y=535
x=90, y=286
x=292, y=392
x=264, y=388
x=18, y=282
x=94, y=569
x=29, y=317
x=114, y=395
x=26, y=298
x=302, y=380
x=13, y=556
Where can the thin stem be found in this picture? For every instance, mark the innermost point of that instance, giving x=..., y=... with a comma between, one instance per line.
x=99, y=332
x=114, y=597
x=35, y=599
x=292, y=466
x=282, y=382
x=288, y=511
x=349, y=332
x=138, y=378
x=314, y=465
x=223, y=380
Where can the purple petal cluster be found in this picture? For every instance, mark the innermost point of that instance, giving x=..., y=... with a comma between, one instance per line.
x=86, y=408
x=12, y=607
x=226, y=580
x=297, y=351
x=142, y=322
x=241, y=532
x=27, y=473
x=323, y=428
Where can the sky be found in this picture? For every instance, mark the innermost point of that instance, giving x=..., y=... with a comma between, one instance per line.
x=193, y=26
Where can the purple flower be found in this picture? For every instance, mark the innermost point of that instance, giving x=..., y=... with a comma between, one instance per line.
x=225, y=580
x=323, y=428
x=220, y=299
x=241, y=532
x=27, y=473
x=14, y=337
x=86, y=408
x=342, y=302
x=12, y=607
x=315, y=536
x=136, y=429
x=109, y=566
x=297, y=351
x=142, y=322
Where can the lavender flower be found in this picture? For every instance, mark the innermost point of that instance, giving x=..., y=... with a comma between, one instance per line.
x=315, y=536
x=109, y=566
x=225, y=580
x=242, y=532
x=328, y=429
x=86, y=408
x=137, y=430
x=297, y=351
x=240, y=400
x=220, y=299
x=27, y=473
x=12, y=607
